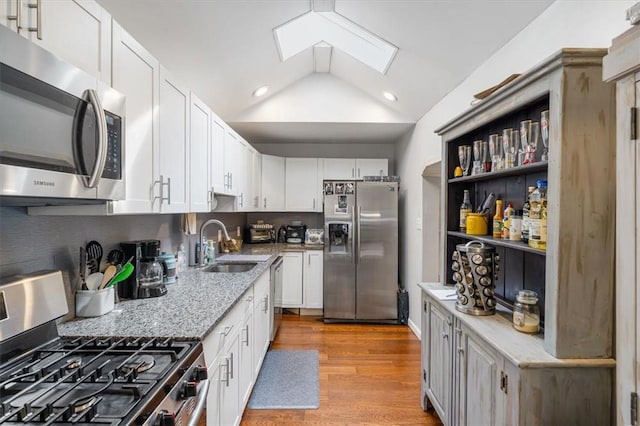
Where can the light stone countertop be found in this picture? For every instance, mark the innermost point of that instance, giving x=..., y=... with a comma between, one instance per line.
x=521, y=349
x=191, y=309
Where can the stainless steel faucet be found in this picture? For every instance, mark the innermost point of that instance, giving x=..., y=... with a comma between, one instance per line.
x=204, y=225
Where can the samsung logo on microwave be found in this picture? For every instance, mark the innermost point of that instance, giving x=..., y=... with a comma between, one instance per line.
x=43, y=183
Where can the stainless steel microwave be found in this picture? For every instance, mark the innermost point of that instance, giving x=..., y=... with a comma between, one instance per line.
x=61, y=130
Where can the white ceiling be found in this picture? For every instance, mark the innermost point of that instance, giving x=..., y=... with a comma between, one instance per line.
x=224, y=49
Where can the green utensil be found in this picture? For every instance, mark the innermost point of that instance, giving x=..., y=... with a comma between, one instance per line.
x=122, y=275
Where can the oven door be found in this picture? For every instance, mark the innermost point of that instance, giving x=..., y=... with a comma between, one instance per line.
x=56, y=140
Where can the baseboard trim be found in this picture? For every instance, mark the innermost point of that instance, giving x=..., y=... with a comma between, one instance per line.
x=415, y=329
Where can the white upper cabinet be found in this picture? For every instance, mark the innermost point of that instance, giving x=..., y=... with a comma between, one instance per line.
x=216, y=155
x=302, y=184
x=254, y=187
x=232, y=153
x=200, y=137
x=353, y=168
x=136, y=75
x=339, y=168
x=371, y=167
x=174, y=145
x=272, y=183
x=77, y=31
x=240, y=175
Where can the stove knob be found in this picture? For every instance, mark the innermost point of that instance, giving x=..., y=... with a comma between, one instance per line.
x=199, y=373
x=165, y=418
x=189, y=390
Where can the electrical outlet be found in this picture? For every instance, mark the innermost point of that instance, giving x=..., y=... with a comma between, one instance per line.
x=419, y=223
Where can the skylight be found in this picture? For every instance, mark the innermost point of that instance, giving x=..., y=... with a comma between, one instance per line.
x=312, y=28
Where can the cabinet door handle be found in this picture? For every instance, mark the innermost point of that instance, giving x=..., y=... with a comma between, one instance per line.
x=231, y=367
x=314, y=204
x=169, y=191
x=227, y=330
x=461, y=350
x=353, y=172
x=17, y=17
x=225, y=376
x=246, y=329
x=445, y=335
x=358, y=171
x=266, y=304
x=38, y=28
x=230, y=180
x=448, y=322
x=265, y=202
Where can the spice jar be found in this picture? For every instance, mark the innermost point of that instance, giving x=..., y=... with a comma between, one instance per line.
x=526, y=312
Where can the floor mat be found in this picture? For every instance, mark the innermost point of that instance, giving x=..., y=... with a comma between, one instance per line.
x=287, y=380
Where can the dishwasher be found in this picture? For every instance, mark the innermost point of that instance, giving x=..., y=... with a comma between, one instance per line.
x=275, y=304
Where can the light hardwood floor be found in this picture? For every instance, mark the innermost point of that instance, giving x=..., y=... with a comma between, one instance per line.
x=369, y=374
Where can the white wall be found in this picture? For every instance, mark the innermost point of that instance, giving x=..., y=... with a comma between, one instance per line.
x=565, y=23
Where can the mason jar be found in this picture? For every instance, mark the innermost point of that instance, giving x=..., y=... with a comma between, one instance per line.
x=526, y=312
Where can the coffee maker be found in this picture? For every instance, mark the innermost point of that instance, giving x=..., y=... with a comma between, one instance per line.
x=150, y=270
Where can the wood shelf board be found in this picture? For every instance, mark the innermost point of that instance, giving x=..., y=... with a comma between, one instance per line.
x=515, y=245
x=514, y=171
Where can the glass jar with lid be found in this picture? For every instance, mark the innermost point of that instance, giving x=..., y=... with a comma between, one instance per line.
x=526, y=312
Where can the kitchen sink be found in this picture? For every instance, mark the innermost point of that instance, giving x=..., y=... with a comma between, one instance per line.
x=230, y=267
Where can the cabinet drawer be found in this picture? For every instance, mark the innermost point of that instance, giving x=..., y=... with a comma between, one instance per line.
x=224, y=331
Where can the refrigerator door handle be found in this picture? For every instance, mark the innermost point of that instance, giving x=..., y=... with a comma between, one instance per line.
x=357, y=219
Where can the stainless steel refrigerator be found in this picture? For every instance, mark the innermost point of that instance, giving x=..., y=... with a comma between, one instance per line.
x=360, y=251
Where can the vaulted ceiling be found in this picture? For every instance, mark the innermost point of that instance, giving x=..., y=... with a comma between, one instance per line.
x=225, y=49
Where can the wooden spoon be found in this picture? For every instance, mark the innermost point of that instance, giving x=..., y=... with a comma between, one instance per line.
x=108, y=274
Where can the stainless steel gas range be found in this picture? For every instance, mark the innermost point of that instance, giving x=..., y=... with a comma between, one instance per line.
x=46, y=379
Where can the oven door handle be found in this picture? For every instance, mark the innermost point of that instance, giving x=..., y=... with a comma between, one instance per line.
x=91, y=96
x=200, y=404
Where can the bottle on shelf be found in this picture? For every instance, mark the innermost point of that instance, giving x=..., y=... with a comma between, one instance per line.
x=538, y=217
x=465, y=209
x=515, y=226
x=525, y=216
x=506, y=221
x=498, y=220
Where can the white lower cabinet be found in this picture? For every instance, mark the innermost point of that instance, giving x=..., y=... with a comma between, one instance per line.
x=292, y=279
x=480, y=371
x=262, y=320
x=312, y=279
x=234, y=352
x=302, y=282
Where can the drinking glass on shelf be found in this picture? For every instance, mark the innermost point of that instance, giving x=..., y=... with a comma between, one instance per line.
x=499, y=161
x=477, y=157
x=486, y=160
x=525, y=128
x=514, y=144
x=507, y=142
x=544, y=132
x=533, y=134
x=493, y=151
x=464, y=156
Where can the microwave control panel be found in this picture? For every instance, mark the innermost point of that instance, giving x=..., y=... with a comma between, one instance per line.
x=113, y=165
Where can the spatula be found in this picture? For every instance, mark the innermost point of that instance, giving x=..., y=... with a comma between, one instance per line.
x=94, y=255
x=108, y=274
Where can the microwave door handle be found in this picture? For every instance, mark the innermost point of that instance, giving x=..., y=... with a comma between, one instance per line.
x=91, y=96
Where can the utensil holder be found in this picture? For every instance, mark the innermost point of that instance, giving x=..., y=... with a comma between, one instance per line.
x=93, y=303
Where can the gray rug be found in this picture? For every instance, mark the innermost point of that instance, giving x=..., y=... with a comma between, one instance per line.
x=287, y=380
